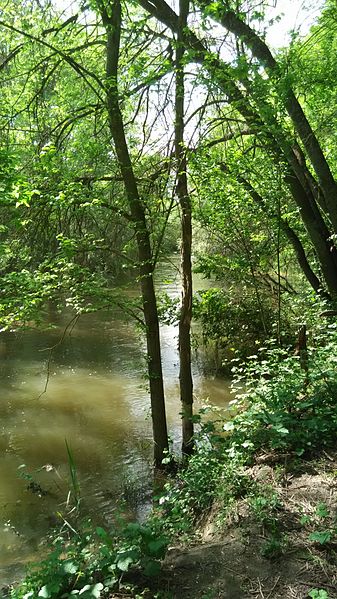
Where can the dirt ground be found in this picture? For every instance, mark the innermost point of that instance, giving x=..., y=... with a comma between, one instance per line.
x=227, y=562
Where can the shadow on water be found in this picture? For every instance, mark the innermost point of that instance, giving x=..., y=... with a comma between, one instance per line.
x=97, y=399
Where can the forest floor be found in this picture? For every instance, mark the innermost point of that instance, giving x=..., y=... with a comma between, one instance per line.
x=265, y=552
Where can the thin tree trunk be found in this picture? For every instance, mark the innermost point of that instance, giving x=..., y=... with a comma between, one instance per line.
x=291, y=235
x=318, y=233
x=185, y=373
x=113, y=26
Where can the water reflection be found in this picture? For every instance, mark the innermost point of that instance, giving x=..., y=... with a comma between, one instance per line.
x=97, y=399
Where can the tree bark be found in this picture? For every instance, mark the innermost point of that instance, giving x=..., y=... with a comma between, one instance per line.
x=318, y=233
x=185, y=373
x=137, y=211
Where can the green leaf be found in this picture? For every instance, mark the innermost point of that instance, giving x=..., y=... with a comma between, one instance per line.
x=101, y=532
x=322, y=510
x=104, y=536
x=124, y=563
x=133, y=528
x=44, y=592
x=70, y=567
x=228, y=426
x=50, y=590
x=318, y=594
x=281, y=429
x=247, y=444
x=90, y=591
x=110, y=581
x=321, y=537
x=157, y=547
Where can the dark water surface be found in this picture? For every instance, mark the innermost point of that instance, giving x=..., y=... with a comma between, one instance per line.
x=97, y=400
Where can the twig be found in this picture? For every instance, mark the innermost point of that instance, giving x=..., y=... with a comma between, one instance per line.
x=321, y=584
x=273, y=588
x=260, y=588
x=71, y=324
x=328, y=456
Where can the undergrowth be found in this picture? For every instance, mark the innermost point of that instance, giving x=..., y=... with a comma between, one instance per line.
x=281, y=407
x=93, y=562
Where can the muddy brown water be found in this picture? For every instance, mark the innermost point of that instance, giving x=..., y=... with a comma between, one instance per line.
x=97, y=400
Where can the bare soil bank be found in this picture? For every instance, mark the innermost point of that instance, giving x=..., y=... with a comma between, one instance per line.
x=229, y=562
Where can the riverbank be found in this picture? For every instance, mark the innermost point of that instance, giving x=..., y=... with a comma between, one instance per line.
x=279, y=542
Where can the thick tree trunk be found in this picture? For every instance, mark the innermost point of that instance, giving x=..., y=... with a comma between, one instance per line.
x=138, y=217
x=185, y=373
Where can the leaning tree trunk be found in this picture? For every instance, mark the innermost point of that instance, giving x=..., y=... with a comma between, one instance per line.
x=185, y=373
x=260, y=50
x=293, y=238
x=267, y=127
x=113, y=26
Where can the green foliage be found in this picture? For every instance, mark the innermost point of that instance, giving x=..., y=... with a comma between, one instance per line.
x=265, y=507
x=279, y=407
x=243, y=235
x=323, y=525
x=236, y=321
x=286, y=407
x=322, y=537
x=192, y=492
x=273, y=547
x=92, y=563
x=168, y=309
x=54, y=576
x=312, y=62
x=318, y=594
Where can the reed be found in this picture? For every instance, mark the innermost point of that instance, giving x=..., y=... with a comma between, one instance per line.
x=75, y=485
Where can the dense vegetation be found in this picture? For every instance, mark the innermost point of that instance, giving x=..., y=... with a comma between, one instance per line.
x=127, y=130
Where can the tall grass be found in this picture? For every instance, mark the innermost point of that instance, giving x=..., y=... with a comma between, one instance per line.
x=75, y=485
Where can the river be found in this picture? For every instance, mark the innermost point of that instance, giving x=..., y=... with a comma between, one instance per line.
x=96, y=399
